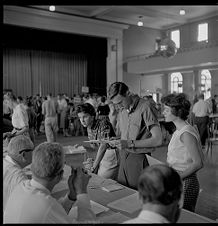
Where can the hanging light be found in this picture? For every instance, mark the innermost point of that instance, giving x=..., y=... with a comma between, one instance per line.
x=140, y=23
x=52, y=8
x=182, y=12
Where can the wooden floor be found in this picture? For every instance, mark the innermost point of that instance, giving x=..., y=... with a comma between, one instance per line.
x=207, y=204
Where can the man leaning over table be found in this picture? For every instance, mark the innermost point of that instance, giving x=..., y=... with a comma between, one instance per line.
x=160, y=189
x=140, y=132
x=19, y=155
x=31, y=200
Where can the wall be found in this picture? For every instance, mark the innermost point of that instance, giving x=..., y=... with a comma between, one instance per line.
x=136, y=41
x=193, y=57
x=133, y=82
x=139, y=40
x=40, y=19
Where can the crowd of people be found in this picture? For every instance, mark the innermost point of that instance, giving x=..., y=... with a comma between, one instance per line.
x=131, y=124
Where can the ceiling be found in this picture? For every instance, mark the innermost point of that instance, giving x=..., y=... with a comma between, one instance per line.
x=157, y=17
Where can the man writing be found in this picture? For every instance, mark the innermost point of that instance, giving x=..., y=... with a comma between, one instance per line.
x=140, y=131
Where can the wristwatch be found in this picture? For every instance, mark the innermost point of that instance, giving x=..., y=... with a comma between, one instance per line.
x=73, y=200
x=132, y=144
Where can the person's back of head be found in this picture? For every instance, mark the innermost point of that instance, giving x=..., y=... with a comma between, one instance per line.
x=201, y=96
x=20, y=148
x=161, y=186
x=49, y=96
x=47, y=161
x=103, y=99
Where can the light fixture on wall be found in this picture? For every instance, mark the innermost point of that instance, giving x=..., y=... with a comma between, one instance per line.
x=140, y=23
x=52, y=8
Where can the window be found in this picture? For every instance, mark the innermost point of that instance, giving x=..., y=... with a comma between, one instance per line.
x=203, y=32
x=175, y=36
x=206, y=83
x=176, y=82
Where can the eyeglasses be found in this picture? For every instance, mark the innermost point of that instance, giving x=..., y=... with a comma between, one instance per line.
x=25, y=150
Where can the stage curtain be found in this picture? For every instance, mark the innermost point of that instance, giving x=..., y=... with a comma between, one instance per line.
x=28, y=72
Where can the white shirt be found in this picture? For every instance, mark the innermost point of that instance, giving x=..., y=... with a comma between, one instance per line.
x=62, y=104
x=19, y=117
x=31, y=202
x=12, y=176
x=178, y=155
x=146, y=216
x=201, y=108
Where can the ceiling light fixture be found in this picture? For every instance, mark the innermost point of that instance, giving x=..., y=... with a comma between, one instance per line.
x=52, y=8
x=140, y=23
x=182, y=12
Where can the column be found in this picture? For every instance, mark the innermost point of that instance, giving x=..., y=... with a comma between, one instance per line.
x=114, y=61
x=165, y=84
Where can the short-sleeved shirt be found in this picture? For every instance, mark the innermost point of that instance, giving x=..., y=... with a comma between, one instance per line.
x=130, y=123
x=19, y=117
x=12, y=176
x=50, y=108
x=201, y=109
x=31, y=202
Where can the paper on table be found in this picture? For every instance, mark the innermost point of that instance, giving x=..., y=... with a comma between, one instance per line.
x=114, y=218
x=96, y=208
x=74, y=150
x=129, y=204
x=112, y=187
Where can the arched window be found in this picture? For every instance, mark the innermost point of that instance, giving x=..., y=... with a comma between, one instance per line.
x=176, y=82
x=206, y=83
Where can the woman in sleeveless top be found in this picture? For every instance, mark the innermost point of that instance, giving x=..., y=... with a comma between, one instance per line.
x=184, y=150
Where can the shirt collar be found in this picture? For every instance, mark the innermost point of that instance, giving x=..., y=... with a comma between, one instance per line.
x=155, y=217
x=134, y=104
x=39, y=186
x=9, y=159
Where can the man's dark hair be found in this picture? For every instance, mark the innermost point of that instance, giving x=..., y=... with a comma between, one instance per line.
x=103, y=99
x=160, y=184
x=179, y=103
x=86, y=108
x=117, y=88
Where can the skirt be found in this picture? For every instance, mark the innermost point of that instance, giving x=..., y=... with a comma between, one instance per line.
x=191, y=191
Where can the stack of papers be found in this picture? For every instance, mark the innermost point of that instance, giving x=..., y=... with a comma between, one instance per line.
x=129, y=204
x=96, y=208
x=74, y=150
x=112, y=187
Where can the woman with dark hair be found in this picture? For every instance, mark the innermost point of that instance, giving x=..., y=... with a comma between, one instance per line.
x=106, y=160
x=103, y=109
x=184, y=150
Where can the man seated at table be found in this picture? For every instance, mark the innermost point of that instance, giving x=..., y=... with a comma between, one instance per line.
x=160, y=189
x=19, y=155
x=31, y=200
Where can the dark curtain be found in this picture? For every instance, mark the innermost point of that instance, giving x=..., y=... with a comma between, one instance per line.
x=28, y=72
x=37, y=61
